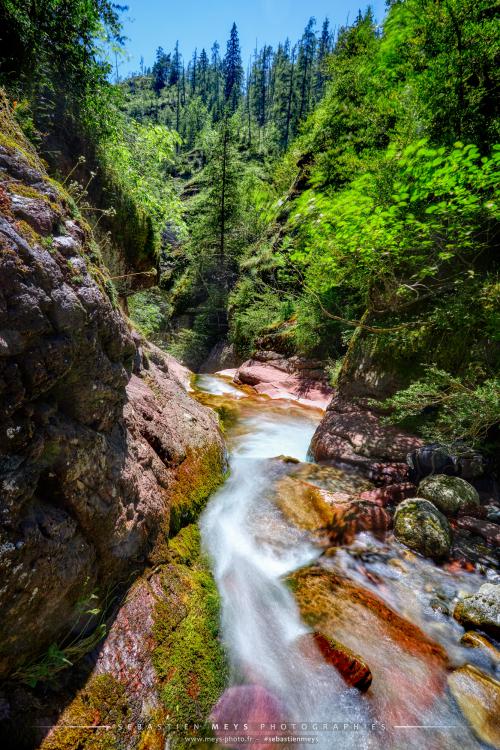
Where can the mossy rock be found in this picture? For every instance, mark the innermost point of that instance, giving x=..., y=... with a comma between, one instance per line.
x=189, y=659
x=101, y=702
x=199, y=475
x=423, y=528
x=449, y=494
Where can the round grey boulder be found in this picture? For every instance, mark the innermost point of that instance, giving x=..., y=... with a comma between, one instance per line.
x=423, y=528
x=448, y=494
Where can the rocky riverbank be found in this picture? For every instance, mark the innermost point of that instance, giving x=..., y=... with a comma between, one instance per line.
x=104, y=457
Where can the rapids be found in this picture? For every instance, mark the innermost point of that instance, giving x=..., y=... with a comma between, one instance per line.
x=273, y=679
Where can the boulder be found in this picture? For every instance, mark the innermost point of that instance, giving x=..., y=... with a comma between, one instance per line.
x=336, y=515
x=422, y=527
x=478, y=696
x=449, y=494
x=408, y=667
x=389, y=495
x=471, y=639
x=481, y=610
x=280, y=383
x=252, y=705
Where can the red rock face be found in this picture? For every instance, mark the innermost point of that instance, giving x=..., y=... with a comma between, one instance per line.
x=409, y=669
x=284, y=379
x=389, y=495
x=353, y=669
x=351, y=434
x=91, y=451
x=488, y=530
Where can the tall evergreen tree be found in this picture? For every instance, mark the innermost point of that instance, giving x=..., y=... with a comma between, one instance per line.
x=161, y=70
x=203, y=75
x=233, y=71
x=324, y=49
x=305, y=64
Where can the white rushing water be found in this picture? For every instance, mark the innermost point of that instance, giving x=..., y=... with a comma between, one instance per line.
x=276, y=671
x=252, y=548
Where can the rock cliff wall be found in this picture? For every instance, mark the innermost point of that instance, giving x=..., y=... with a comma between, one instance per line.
x=102, y=450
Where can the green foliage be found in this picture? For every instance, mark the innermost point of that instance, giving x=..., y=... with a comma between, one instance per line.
x=54, y=54
x=139, y=157
x=422, y=211
x=449, y=408
x=150, y=313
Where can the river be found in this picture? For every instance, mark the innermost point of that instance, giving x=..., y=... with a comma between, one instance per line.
x=273, y=678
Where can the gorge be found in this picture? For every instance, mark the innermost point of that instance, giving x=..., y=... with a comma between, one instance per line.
x=249, y=385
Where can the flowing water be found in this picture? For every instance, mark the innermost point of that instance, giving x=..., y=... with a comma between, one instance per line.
x=273, y=677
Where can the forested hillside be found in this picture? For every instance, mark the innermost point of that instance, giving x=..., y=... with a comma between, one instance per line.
x=341, y=197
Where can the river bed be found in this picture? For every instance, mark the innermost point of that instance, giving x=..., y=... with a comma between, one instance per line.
x=278, y=687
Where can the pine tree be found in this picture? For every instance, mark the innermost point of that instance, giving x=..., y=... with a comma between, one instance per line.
x=216, y=82
x=175, y=70
x=233, y=71
x=203, y=76
x=194, y=73
x=160, y=70
x=324, y=49
x=305, y=63
x=216, y=232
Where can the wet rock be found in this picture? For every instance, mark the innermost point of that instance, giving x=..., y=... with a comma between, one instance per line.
x=439, y=606
x=408, y=668
x=471, y=639
x=389, y=495
x=481, y=610
x=277, y=383
x=478, y=697
x=352, y=434
x=422, y=527
x=252, y=705
x=449, y=494
x=488, y=530
x=352, y=668
x=335, y=515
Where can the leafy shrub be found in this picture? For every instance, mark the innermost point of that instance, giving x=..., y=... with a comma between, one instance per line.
x=449, y=408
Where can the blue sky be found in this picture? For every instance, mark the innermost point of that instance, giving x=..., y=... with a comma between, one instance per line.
x=195, y=23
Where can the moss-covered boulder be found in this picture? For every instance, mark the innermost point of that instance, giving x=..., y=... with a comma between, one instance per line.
x=481, y=610
x=422, y=527
x=449, y=494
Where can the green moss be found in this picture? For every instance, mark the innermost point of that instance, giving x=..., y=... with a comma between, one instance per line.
x=189, y=659
x=185, y=547
x=26, y=191
x=198, y=476
x=101, y=702
x=28, y=233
